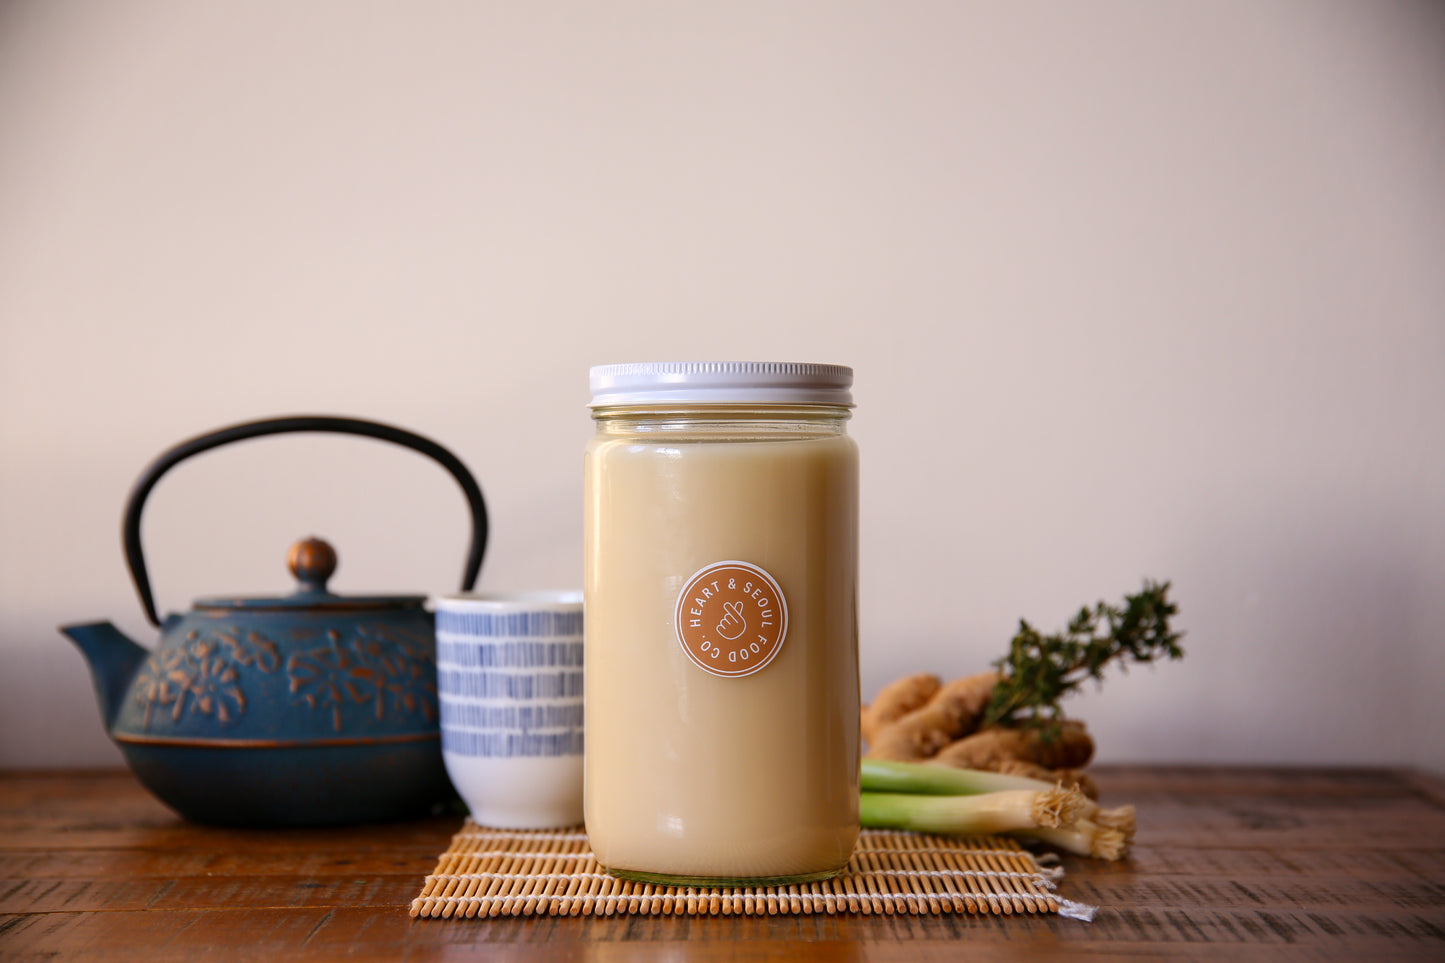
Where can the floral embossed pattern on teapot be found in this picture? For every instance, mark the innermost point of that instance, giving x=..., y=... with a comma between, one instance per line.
x=304, y=709
x=366, y=660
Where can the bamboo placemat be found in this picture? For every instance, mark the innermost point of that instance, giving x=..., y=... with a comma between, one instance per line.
x=491, y=872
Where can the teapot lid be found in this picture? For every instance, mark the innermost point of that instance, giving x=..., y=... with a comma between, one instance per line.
x=312, y=561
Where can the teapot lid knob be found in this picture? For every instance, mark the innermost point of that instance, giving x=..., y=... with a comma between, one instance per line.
x=312, y=561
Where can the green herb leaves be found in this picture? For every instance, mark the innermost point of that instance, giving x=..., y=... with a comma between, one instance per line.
x=1041, y=669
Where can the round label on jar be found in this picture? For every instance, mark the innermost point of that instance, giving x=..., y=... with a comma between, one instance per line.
x=731, y=618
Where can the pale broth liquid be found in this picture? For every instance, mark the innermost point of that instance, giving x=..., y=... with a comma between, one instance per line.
x=693, y=775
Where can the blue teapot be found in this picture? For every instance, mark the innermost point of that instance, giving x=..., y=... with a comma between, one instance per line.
x=305, y=709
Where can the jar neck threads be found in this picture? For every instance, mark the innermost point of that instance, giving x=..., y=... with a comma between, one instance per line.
x=774, y=421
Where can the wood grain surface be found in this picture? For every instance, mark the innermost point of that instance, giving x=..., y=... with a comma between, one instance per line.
x=1230, y=864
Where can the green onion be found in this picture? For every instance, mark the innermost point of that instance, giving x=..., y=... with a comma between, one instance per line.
x=926, y=779
x=1120, y=818
x=1084, y=838
x=981, y=814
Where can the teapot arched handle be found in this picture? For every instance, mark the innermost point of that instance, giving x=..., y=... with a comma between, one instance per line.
x=135, y=558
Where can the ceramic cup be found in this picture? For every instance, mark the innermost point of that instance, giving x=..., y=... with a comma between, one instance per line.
x=509, y=684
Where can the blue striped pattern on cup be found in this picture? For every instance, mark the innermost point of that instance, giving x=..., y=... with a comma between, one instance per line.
x=507, y=685
x=510, y=683
x=475, y=654
x=512, y=625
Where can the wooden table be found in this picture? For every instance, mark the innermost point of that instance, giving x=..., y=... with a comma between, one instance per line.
x=1230, y=864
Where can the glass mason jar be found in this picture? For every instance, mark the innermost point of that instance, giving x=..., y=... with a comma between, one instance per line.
x=721, y=583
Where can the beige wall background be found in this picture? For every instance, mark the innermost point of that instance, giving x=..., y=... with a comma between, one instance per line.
x=1131, y=289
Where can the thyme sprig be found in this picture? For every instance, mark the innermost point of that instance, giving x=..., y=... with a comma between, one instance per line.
x=1041, y=669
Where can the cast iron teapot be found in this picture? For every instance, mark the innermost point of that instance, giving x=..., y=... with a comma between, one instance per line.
x=305, y=709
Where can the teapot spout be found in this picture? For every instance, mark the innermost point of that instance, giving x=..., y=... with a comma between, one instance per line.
x=113, y=660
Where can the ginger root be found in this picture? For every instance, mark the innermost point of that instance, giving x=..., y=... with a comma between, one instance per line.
x=1070, y=748
x=896, y=700
x=1009, y=720
x=918, y=718
x=950, y=712
x=1069, y=778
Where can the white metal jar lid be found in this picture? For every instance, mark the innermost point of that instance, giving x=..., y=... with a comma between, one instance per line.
x=721, y=382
